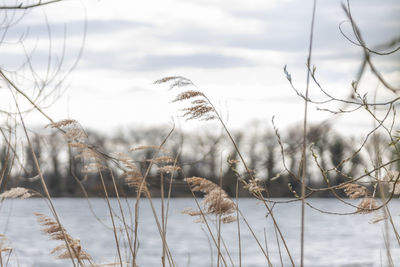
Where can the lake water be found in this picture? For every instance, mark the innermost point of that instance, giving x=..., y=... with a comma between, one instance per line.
x=330, y=240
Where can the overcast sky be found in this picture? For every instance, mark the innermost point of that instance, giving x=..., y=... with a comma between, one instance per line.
x=233, y=50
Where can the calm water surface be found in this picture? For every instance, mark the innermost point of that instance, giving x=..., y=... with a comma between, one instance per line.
x=331, y=240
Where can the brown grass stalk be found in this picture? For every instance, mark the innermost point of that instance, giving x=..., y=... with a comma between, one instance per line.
x=111, y=216
x=255, y=237
x=122, y=214
x=238, y=223
x=141, y=186
x=44, y=186
x=204, y=219
x=303, y=157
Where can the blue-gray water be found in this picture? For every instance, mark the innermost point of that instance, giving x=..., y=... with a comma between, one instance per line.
x=330, y=240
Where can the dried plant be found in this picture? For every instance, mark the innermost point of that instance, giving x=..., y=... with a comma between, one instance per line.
x=178, y=81
x=5, y=249
x=169, y=169
x=200, y=108
x=71, y=129
x=354, y=191
x=191, y=212
x=132, y=175
x=203, y=112
x=57, y=232
x=367, y=205
x=189, y=94
x=62, y=123
x=253, y=187
x=379, y=216
x=138, y=148
x=229, y=219
x=16, y=192
x=86, y=152
x=216, y=200
x=93, y=167
x=4, y=244
x=94, y=161
x=162, y=159
x=392, y=178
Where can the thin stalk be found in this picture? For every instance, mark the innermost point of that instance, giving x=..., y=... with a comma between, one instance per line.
x=47, y=194
x=251, y=176
x=277, y=227
x=218, y=216
x=218, y=226
x=208, y=226
x=303, y=157
x=4, y=166
x=255, y=237
x=387, y=245
x=169, y=256
x=140, y=189
x=238, y=222
x=266, y=241
x=279, y=247
x=122, y=214
x=162, y=220
x=169, y=193
x=210, y=246
x=111, y=215
x=227, y=251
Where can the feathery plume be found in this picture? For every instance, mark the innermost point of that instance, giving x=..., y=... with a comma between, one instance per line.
x=354, y=191
x=191, y=212
x=138, y=148
x=86, y=152
x=73, y=131
x=367, y=205
x=4, y=244
x=16, y=192
x=93, y=167
x=200, y=108
x=177, y=81
x=216, y=200
x=200, y=111
x=393, y=180
x=62, y=123
x=162, y=159
x=169, y=169
x=253, y=187
x=132, y=175
x=379, y=216
x=189, y=94
x=55, y=231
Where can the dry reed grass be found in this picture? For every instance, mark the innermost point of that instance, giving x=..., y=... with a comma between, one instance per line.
x=367, y=205
x=216, y=200
x=354, y=191
x=57, y=232
x=4, y=244
x=392, y=179
x=17, y=192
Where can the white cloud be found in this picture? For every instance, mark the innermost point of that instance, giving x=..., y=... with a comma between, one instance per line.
x=234, y=50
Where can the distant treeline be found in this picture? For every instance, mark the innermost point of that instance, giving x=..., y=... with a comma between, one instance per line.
x=204, y=153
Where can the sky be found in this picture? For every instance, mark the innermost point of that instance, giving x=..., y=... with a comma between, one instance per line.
x=234, y=51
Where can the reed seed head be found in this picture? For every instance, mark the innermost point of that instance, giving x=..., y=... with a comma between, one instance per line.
x=354, y=191
x=58, y=232
x=393, y=180
x=16, y=192
x=216, y=200
x=367, y=205
x=169, y=169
